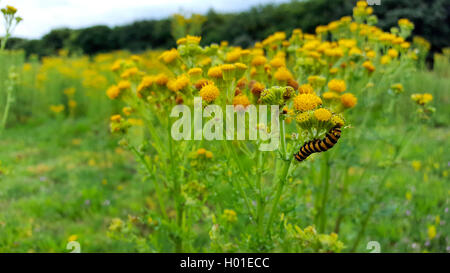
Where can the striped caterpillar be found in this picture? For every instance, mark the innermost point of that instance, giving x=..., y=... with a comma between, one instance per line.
x=319, y=145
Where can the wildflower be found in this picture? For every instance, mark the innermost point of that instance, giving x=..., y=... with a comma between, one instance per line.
x=334, y=70
x=348, y=100
x=123, y=85
x=322, y=114
x=416, y=164
x=73, y=237
x=116, y=224
x=283, y=74
x=306, y=102
x=369, y=66
x=408, y=196
x=195, y=72
x=257, y=88
x=202, y=82
x=69, y=91
x=431, y=232
x=241, y=100
x=398, y=88
x=371, y=54
x=337, y=85
x=57, y=108
x=392, y=53
x=209, y=154
x=303, y=119
x=72, y=104
x=337, y=120
x=233, y=56
x=385, y=59
x=209, y=92
x=215, y=72
x=169, y=56
x=330, y=95
x=201, y=151
x=422, y=99
x=403, y=22
x=127, y=110
x=240, y=69
x=161, y=79
x=228, y=71
x=113, y=92
x=259, y=61
x=305, y=89
x=278, y=62
x=230, y=215
x=116, y=118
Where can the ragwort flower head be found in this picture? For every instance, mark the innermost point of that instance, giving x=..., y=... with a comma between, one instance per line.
x=306, y=102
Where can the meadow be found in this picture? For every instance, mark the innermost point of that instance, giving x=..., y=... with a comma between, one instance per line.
x=87, y=154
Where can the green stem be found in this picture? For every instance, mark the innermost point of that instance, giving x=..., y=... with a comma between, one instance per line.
x=157, y=188
x=281, y=179
x=261, y=197
x=281, y=182
x=325, y=182
x=9, y=100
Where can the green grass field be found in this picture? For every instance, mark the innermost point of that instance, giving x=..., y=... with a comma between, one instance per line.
x=60, y=178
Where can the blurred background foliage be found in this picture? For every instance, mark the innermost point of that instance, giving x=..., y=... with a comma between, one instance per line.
x=431, y=19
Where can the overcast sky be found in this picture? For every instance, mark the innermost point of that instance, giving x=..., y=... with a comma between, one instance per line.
x=40, y=16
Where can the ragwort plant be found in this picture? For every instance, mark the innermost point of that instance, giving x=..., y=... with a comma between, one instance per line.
x=246, y=195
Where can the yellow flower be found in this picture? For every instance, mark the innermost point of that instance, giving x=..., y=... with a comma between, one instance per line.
x=233, y=56
x=369, y=66
x=306, y=102
x=259, y=61
x=305, y=89
x=322, y=114
x=196, y=71
x=393, y=53
x=431, y=232
x=348, y=100
x=113, y=92
x=116, y=118
x=169, y=56
x=385, y=59
x=330, y=95
x=408, y=196
x=209, y=154
x=215, y=72
x=123, y=85
x=72, y=104
x=161, y=79
x=422, y=99
x=416, y=164
x=283, y=74
x=277, y=62
x=201, y=151
x=230, y=215
x=127, y=110
x=209, y=92
x=337, y=120
x=73, y=237
x=337, y=85
x=10, y=10
x=241, y=100
x=69, y=91
x=57, y=108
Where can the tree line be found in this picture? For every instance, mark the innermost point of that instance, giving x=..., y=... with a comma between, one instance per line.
x=431, y=19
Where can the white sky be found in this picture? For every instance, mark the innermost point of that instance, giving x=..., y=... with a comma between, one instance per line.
x=40, y=16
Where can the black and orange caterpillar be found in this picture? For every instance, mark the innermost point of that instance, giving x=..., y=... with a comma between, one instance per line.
x=319, y=145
